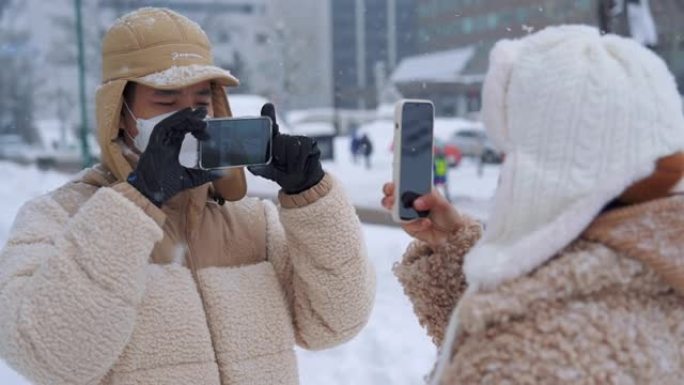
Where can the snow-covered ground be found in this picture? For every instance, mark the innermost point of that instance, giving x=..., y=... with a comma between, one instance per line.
x=392, y=349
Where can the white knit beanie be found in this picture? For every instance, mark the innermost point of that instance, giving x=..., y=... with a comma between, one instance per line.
x=580, y=116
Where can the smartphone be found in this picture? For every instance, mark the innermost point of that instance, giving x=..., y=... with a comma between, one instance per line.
x=413, y=156
x=236, y=142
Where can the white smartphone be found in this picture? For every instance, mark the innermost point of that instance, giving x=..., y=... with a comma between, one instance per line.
x=413, y=156
x=236, y=142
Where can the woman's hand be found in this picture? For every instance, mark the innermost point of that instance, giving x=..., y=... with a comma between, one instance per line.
x=442, y=221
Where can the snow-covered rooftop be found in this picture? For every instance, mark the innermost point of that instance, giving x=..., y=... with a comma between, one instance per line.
x=445, y=66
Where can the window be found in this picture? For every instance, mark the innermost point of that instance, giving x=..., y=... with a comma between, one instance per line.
x=521, y=15
x=473, y=104
x=467, y=25
x=507, y=18
x=584, y=4
x=492, y=21
x=423, y=36
x=481, y=23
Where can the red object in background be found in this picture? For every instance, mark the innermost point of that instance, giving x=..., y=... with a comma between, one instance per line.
x=453, y=154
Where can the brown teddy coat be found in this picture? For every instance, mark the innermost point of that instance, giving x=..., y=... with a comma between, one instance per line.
x=606, y=310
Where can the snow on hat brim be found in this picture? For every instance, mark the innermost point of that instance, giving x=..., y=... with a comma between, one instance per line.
x=183, y=76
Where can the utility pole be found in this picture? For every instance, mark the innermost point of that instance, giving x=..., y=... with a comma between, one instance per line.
x=85, y=151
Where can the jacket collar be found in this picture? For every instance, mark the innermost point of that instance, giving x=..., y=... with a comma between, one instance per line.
x=100, y=176
x=652, y=233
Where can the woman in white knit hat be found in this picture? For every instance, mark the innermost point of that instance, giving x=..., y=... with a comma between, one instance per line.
x=577, y=277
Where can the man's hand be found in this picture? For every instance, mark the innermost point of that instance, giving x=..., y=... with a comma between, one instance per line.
x=442, y=220
x=295, y=164
x=159, y=175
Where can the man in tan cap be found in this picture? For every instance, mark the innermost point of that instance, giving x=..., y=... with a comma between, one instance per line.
x=143, y=272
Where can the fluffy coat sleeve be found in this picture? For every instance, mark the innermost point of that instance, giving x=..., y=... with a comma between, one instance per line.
x=591, y=315
x=316, y=245
x=70, y=285
x=433, y=279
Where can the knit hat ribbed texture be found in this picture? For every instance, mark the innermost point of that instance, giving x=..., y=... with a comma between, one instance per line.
x=581, y=116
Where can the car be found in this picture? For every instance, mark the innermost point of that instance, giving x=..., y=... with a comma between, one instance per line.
x=476, y=144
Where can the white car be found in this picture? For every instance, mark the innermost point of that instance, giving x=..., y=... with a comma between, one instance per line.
x=476, y=144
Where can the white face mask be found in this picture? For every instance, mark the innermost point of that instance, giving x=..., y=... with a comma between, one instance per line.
x=188, y=154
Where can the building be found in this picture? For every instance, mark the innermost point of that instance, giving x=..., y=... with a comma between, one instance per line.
x=369, y=38
x=441, y=77
x=304, y=35
x=447, y=25
x=668, y=15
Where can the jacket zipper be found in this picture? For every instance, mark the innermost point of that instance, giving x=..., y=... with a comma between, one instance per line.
x=198, y=283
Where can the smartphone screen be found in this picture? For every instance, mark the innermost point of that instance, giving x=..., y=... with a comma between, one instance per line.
x=417, y=119
x=235, y=142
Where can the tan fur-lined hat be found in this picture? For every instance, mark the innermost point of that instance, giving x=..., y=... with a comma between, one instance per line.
x=164, y=50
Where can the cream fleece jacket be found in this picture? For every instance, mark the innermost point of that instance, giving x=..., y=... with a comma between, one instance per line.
x=83, y=302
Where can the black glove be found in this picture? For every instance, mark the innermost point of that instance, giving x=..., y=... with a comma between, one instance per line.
x=159, y=175
x=296, y=164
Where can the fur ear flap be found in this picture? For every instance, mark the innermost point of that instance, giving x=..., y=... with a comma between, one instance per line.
x=495, y=90
x=668, y=175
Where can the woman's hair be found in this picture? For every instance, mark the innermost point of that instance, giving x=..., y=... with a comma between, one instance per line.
x=129, y=93
x=128, y=96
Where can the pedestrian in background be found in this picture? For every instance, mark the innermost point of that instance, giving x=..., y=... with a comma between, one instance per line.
x=441, y=173
x=366, y=149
